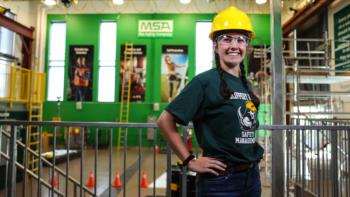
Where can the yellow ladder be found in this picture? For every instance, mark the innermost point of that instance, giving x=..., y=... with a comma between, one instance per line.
x=125, y=91
x=35, y=114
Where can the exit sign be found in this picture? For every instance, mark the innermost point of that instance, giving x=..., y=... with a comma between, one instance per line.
x=155, y=28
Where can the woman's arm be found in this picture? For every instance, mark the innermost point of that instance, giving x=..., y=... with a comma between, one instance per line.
x=167, y=125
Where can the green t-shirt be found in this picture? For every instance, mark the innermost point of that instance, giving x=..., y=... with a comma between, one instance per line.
x=225, y=128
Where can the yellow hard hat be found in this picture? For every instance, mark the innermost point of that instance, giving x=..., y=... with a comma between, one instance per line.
x=231, y=18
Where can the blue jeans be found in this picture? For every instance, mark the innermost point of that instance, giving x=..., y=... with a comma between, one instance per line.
x=236, y=184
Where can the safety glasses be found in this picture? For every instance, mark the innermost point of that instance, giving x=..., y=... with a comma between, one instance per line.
x=240, y=40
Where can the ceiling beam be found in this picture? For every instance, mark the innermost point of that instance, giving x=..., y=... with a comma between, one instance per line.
x=17, y=27
x=304, y=14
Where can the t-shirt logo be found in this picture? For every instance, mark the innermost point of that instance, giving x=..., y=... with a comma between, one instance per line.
x=247, y=116
x=248, y=122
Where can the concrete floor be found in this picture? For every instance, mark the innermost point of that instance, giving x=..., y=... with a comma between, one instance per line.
x=131, y=171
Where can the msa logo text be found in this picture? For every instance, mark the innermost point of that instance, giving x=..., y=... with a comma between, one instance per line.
x=153, y=28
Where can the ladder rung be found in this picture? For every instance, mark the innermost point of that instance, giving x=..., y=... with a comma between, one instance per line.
x=35, y=151
x=33, y=161
x=35, y=169
x=34, y=134
x=35, y=119
x=34, y=143
x=36, y=106
x=36, y=116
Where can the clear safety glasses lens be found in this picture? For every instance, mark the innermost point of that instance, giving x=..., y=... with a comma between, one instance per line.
x=240, y=40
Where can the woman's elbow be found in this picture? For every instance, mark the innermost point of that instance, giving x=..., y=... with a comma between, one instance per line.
x=163, y=118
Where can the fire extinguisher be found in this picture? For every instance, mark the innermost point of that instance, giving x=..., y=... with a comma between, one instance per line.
x=189, y=141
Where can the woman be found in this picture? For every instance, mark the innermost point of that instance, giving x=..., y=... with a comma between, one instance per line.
x=224, y=114
x=173, y=76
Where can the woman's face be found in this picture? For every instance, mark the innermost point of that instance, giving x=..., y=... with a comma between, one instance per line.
x=231, y=48
x=167, y=59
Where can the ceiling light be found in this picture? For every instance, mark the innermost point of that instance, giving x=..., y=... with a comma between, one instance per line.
x=185, y=1
x=50, y=2
x=260, y=1
x=67, y=3
x=118, y=2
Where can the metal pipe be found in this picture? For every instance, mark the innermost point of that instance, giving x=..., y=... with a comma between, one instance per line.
x=278, y=177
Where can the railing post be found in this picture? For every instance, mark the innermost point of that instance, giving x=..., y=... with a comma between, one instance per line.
x=184, y=170
x=348, y=141
x=139, y=164
x=95, y=161
x=25, y=156
x=11, y=180
x=154, y=160
x=0, y=140
x=67, y=163
x=334, y=162
x=81, y=185
x=110, y=153
x=169, y=171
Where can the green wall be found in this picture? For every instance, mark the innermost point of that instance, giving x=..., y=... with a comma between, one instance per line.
x=83, y=29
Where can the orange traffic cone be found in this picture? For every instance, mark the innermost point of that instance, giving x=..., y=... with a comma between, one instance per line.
x=144, y=182
x=54, y=180
x=117, y=183
x=91, y=181
x=157, y=150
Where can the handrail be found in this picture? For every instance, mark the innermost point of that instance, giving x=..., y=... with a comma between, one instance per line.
x=298, y=151
x=60, y=171
x=48, y=185
x=154, y=125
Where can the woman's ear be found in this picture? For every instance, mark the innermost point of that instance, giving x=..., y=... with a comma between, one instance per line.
x=215, y=46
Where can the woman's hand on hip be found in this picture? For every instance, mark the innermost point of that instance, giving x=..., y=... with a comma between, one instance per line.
x=206, y=165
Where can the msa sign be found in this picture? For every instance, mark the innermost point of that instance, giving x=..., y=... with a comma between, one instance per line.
x=155, y=28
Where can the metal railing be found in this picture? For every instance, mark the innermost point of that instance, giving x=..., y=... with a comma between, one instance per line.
x=16, y=84
x=317, y=160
